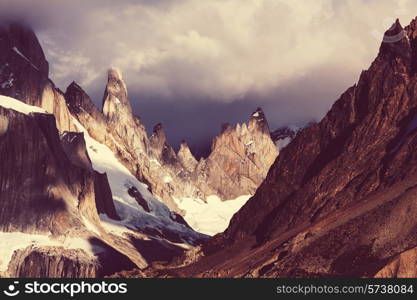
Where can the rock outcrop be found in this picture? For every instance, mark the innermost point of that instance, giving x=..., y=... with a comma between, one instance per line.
x=239, y=160
x=186, y=158
x=23, y=66
x=403, y=265
x=24, y=73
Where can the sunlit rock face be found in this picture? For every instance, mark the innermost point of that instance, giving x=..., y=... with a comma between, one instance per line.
x=186, y=158
x=240, y=158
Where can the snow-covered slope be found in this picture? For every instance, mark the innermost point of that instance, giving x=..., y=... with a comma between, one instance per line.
x=211, y=216
x=160, y=219
x=19, y=106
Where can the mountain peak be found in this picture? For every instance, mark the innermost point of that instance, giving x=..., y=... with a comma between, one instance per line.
x=23, y=65
x=115, y=101
x=396, y=43
x=225, y=127
x=74, y=96
x=184, y=144
x=158, y=137
x=73, y=86
x=115, y=83
x=258, y=115
x=22, y=40
x=114, y=73
x=186, y=158
x=158, y=129
x=258, y=121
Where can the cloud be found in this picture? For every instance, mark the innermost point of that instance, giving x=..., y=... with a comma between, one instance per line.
x=293, y=57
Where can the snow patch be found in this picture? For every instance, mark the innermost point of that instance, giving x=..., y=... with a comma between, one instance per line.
x=113, y=226
x=167, y=179
x=25, y=58
x=8, y=83
x=90, y=226
x=154, y=161
x=282, y=143
x=12, y=241
x=19, y=106
x=211, y=216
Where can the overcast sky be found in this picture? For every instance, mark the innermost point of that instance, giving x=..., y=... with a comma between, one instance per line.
x=194, y=64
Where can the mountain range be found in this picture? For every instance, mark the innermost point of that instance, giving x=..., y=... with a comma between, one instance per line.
x=85, y=192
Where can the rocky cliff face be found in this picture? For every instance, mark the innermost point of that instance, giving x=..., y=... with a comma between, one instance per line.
x=340, y=199
x=23, y=67
x=239, y=160
x=186, y=158
x=24, y=73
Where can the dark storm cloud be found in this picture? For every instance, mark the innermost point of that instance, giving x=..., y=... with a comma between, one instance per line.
x=195, y=64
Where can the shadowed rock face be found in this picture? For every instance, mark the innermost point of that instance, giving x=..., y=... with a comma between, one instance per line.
x=24, y=73
x=36, y=174
x=103, y=196
x=23, y=67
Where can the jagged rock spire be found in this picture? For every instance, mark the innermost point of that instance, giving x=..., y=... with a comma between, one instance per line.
x=258, y=121
x=75, y=96
x=158, y=137
x=396, y=44
x=186, y=158
x=115, y=99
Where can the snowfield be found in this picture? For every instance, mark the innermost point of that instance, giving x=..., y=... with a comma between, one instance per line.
x=212, y=216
